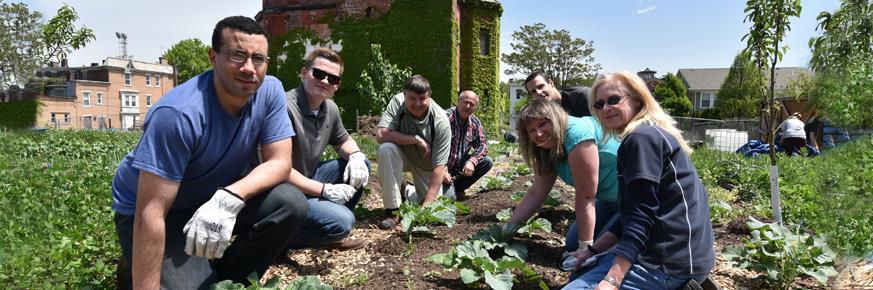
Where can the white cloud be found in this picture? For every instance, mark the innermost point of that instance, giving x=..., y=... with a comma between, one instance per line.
x=646, y=10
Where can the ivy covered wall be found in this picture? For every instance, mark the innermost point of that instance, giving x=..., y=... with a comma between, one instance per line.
x=18, y=114
x=480, y=63
x=419, y=34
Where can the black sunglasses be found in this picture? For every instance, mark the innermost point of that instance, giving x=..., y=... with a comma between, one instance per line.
x=612, y=101
x=320, y=75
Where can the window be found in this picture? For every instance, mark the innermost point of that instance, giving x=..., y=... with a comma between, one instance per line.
x=148, y=100
x=66, y=118
x=148, y=80
x=484, y=41
x=128, y=100
x=56, y=115
x=705, y=100
x=100, y=98
x=54, y=118
x=86, y=99
x=157, y=80
x=127, y=78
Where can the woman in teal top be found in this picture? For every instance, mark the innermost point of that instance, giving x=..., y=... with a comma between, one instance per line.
x=554, y=145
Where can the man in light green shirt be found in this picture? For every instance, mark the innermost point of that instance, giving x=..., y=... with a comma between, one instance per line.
x=414, y=135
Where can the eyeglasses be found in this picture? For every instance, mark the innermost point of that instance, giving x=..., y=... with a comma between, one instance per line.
x=320, y=75
x=239, y=56
x=612, y=101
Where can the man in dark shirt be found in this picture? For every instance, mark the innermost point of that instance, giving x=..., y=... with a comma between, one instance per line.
x=332, y=187
x=468, y=158
x=574, y=100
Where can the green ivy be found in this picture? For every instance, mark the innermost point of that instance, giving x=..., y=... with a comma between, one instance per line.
x=424, y=44
x=18, y=114
x=481, y=72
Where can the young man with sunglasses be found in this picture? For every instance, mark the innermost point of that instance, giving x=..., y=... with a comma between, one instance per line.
x=574, y=100
x=332, y=187
x=182, y=193
x=414, y=136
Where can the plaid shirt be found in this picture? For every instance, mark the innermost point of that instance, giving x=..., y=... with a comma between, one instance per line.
x=468, y=141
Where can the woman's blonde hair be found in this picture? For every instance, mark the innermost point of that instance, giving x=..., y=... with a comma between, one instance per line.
x=649, y=111
x=540, y=159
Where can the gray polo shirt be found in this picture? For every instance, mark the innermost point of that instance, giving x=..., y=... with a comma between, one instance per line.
x=314, y=133
x=434, y=129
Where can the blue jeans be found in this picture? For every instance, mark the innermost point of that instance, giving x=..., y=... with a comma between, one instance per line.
x=638, y=277
x=327, y=221
x=605, y=214
x=830, y=133
x=261, y=231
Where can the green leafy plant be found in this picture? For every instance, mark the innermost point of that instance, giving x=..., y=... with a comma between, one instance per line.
x=490, y=256
x=416, y=218
x=300, y=283
x=783, y=255
x=550, y=201
x=532, y=224
x=494, y=182
x=522, y=169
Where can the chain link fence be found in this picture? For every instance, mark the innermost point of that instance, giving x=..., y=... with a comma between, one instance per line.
x=724, y=135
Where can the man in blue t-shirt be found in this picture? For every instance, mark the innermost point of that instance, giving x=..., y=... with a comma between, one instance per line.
x=180, y=194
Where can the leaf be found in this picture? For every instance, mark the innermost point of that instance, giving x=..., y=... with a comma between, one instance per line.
x=504, y=214
x=502, y=281
x=469, y=276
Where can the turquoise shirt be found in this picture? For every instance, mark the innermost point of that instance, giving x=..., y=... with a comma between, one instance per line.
x=588, y=129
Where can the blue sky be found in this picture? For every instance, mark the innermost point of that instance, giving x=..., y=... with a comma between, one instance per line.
x=661, y=35
x=664, y=35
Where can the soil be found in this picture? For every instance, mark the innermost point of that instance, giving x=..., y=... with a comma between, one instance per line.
x=390, y=261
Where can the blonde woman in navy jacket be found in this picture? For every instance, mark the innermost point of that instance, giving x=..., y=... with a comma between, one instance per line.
x=665, y=236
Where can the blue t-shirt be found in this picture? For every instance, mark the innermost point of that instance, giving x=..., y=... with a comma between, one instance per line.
x=588, y=129
x=189, y=138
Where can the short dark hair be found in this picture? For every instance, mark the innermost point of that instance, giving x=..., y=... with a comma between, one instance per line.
x=325, y=53
x=241, y=23
x=535, y=74
x=417, y=84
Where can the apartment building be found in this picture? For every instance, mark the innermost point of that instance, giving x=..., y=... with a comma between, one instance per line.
x=114, y=94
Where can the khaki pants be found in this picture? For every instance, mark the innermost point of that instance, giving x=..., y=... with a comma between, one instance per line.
x=392, y=164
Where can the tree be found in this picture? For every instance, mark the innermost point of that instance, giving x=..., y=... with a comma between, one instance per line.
x=741, y=92
x=61, y=37
x=673, y=83
x=20, y=43
x=841, y=59
x=381, y=80
x=677, y=106
x=190, y=57
x=567, y=60
x=770, y=22
x=670, y=93
x=848, y=36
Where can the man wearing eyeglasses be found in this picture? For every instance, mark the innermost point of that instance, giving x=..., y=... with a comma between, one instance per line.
x=574, y=100
x=414, y=136
x=332, y=187
x=182, y=193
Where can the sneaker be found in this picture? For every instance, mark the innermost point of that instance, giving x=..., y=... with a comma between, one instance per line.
x=345, y=245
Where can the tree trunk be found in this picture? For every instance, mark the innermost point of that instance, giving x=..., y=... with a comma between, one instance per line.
x=771, y=132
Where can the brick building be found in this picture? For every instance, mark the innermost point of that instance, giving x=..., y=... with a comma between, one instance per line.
x=114, y=94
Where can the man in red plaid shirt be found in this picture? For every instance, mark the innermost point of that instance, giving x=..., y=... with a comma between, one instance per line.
x=468, y=159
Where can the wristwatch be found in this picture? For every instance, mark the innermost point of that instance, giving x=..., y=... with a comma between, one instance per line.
x=611, y=280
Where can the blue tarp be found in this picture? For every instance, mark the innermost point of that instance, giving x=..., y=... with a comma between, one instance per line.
x=755, y=147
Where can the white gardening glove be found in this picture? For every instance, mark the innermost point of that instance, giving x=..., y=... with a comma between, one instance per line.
x=208, y=231
x=338, y=193
x=356, y=172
